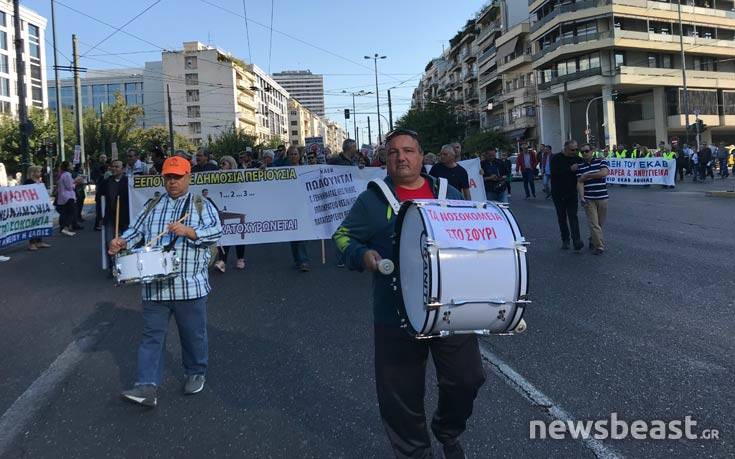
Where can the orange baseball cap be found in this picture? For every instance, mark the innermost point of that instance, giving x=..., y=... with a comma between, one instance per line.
x=176, y=166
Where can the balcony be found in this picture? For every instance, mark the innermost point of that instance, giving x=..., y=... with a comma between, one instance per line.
x=469, y=75
x=523, y=122
x=487, y=54
x=666, y=42
x=515, y=62
x=488, y=30
x=570, y=77
x=247, y=102
x=489, y=78
x=548, y=49
x=471, y=95
x=568, y=8
x=649, y=76
x=495, y=122
x=519, y=96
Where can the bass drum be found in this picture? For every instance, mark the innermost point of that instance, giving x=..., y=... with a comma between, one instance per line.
x=461, y=268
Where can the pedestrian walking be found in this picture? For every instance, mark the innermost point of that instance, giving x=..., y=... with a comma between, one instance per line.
x=592, y=187
x=494, y=175
x=564, y=193
x=448, y=168
x=526, y=163
x=193, y=225
x=66, y=199
x=228, y=163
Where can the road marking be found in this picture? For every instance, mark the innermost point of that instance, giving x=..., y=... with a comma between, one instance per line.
x=38, y=394
x=538, y=398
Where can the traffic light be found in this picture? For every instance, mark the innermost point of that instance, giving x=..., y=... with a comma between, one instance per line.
x=347, y=113
x=697, y=127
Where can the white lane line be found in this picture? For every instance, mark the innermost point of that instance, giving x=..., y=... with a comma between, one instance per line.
x=38, y=394
x=538, y=398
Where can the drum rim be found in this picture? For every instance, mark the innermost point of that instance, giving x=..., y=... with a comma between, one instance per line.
x=403, y=313
x=517, y=235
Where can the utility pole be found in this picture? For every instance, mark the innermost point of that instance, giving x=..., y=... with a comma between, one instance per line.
x=390, y=112
x=370, y=134
x=354, y=117
x=102, y=127
x=170, y=121
x=77, y=99
x=59, y=120
x=684, y=73
x=26, y=128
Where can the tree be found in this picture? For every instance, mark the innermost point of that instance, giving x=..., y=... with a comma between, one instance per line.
x=146, y=139
x=272, y=143
x=436, y=125
x=230, y=142
x=116, y=124
x=44, y=132
x=482, y=141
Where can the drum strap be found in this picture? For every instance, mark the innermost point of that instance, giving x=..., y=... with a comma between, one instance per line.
x=184, y=211
x=393, y=202
x=442, y=188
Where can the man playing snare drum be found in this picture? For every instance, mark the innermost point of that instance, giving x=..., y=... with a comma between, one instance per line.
x=365, y=238
x=190, y=225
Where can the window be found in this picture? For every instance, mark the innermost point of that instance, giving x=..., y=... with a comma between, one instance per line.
x=667, y=61
x=133, y=87
x=192, y=95
x=191, y=79
x=572, y=66
x=4, y=41
x=36, y=72
x=652, y=61
x=561, y=68
x=294, y=123
x=4, y=87
x=33, y=31
x=36, y=93
x=99, y=95
x=190, y=62
x=584, y=63
x=619, y=60
x=195, y=128
x=2, y=19
x=4, y=107
x=595, y=61
x=192, y=111
x=4, y=64
x=294, y=132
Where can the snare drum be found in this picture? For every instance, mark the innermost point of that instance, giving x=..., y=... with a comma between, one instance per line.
x=145, y=265
x=461, y=268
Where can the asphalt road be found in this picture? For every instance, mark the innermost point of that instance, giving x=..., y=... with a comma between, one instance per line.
x=644, y=331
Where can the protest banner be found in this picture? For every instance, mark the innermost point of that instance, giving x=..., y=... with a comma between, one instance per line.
x=315, y=146
x=281, y=204
x=644, y=171
x=469, y=227
x=25, y=213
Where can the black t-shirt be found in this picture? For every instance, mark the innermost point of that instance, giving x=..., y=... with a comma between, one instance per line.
x=563, y=179
x=494, y=167
x=456, y=176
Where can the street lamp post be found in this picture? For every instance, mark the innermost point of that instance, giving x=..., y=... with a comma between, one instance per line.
x=354, y=111
x=375, y=58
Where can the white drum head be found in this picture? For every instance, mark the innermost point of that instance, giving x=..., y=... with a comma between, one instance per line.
x=414, y=268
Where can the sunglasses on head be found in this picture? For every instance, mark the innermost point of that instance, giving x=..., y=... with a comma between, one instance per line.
x=401, y=131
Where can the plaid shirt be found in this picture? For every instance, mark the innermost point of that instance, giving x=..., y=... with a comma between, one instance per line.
x=193, y=279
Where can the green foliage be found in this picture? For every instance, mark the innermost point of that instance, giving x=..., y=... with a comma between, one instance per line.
x=44, y=131
x=157, y=136
x=271, y=144
x=482, y=141
x=230, y=142
x=436, y=125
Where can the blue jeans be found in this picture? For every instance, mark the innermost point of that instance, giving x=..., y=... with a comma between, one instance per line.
x=723, y=167
x=191, y=320
x=298, y=251
x=528, y=181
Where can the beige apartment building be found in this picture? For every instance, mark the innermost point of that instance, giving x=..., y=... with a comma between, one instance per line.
x=621, y=58
x=305, y=123
x=211, y=91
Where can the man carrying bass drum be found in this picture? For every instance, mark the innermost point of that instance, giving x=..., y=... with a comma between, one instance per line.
x=365, y=239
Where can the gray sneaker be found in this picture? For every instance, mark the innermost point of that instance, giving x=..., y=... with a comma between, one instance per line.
x=146, y=395
x=194, y=384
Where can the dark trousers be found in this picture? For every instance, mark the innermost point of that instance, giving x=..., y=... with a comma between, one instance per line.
x=299, y=253
x=67, y=214
x=224, y=251
x=400, y=366
x=97, y=209
x=566, y=210
x=528, y=182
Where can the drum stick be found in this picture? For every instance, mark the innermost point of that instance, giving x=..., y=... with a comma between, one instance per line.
x=117, y=219
x=160, y=235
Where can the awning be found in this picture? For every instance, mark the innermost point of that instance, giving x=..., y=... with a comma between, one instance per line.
x=507, y=48
x=517, y=134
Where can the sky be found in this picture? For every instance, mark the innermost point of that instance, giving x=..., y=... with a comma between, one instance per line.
x=329, y=37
